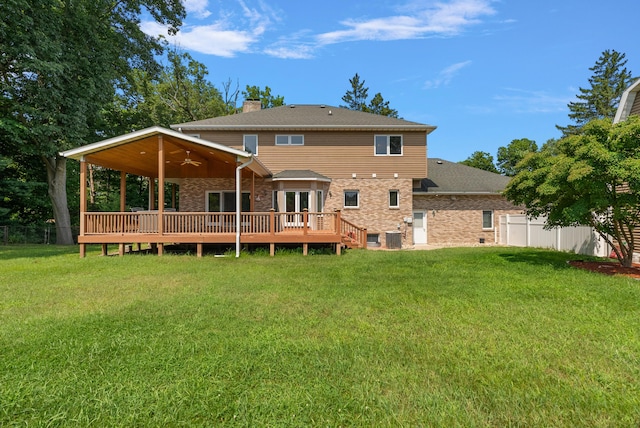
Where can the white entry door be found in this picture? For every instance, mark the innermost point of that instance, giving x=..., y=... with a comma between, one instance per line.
x=419, y=227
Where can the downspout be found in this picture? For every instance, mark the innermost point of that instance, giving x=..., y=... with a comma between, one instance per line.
x=239, y=203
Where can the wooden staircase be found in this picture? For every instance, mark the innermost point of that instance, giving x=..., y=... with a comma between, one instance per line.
x=352, y=236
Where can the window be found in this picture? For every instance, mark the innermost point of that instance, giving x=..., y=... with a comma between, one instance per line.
x=289, y=140
x=487, y=219
x=275, y=201
x=394, y=198
x=351, y=199
x=225, y=202
x=250, y=144
x=319, y=201
x=388, y=145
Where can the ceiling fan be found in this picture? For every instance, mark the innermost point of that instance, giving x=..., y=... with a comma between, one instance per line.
x=189, y=161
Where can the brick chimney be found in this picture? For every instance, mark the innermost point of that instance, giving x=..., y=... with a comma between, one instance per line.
x=251, y=104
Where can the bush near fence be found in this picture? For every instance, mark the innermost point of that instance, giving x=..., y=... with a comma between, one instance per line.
x=43, y=233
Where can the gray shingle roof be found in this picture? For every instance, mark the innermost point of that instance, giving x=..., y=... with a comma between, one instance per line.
x=304, y=117
x=446, y=177
x=304, y=174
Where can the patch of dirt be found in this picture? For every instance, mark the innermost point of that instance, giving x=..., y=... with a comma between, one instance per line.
x=607, y=268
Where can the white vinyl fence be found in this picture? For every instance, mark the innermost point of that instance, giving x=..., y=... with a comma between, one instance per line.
x=520, y=231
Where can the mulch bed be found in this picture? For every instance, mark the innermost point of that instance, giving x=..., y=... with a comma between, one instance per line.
x=607, y=268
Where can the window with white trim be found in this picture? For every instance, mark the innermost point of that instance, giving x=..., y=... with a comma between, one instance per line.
x=388, y=145
x=394, y=199
x=250, y=144
x=351, y=199
x=487, y=219
x=225, y=202
x=289, y=140
x=319, y=201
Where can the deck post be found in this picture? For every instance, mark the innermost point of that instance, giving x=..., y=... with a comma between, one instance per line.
x=272, y=231
x=121, y=249
x=83, y=203
x=199, y=249
x=305, y=219
x=105, y=249
x=161, y=165
x=123, y=191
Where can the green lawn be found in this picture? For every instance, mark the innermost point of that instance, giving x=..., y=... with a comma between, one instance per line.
x=452, y=337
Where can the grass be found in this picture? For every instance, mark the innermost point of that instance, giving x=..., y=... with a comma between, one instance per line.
x=469, y=337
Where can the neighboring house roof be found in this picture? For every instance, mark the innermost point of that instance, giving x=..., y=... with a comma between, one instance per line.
x=304, y=117
x=448, y=178
x=300, y=175
x=627, y=102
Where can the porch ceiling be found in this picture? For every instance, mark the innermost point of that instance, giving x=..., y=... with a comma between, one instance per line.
x=137, y=153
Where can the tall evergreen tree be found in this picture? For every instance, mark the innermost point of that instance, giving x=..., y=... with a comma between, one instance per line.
x=379, y=106
x=356, y=98
x=600, y=101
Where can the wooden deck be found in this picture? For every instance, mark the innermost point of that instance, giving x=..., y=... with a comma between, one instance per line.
x=158, y=229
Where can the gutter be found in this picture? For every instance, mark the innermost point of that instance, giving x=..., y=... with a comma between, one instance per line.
x=239, y=203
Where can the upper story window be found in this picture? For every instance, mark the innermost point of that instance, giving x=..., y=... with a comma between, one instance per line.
x=289, y=140
x=250, y=144
x=388, y=145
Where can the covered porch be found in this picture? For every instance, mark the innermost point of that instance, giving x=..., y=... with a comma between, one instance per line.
x=167, y=156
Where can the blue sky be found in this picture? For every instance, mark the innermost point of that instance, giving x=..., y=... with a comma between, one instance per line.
x=485, y=72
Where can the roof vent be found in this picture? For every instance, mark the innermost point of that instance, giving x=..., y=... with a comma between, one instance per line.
x=321, y=105
x=439, y=162
x=292, y=106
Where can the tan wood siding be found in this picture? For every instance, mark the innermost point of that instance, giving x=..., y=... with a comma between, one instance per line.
x=335, y=154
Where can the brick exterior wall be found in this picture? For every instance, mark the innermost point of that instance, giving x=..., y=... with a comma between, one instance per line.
x=451, y=220
x=193, y=192
x=374, y=212
x=457, y=220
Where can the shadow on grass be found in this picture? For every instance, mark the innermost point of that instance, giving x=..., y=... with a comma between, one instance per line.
x=555, y=259
x=8, y=252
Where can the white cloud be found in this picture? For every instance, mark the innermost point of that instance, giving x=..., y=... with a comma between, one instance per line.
x=441, y=18
x=527, y=101
x=198, y=7
x=446, y=75
x=209, y=39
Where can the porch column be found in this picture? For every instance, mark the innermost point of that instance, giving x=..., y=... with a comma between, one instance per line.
x=152, y=193
x=160, y=191
x=123, y=191
x=83, y=203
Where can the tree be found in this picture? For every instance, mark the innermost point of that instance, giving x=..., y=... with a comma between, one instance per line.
x=356, y=98
x=61, y=63
x=514, y=152
x=268, y=100
x=609, y=80
x=180, y=93
x=480, y=160
x=592, y=180
x=379, y=106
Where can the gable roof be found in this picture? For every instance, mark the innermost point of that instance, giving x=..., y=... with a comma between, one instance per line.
x=136, y=152
x=627, y=102
x=447, y=178
x=304, y=117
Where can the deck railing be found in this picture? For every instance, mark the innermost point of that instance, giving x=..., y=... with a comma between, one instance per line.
x=188, y=223
x=351, y=231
